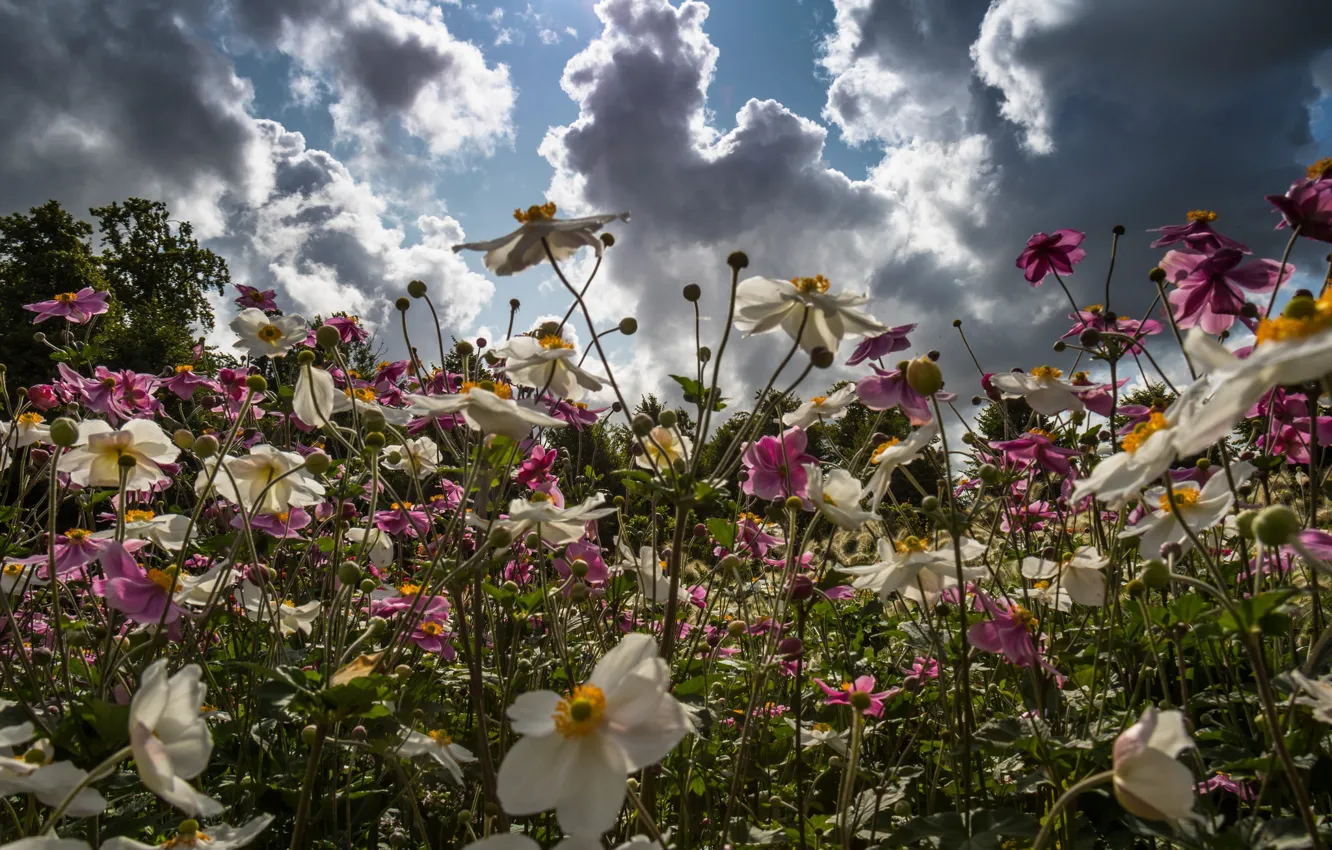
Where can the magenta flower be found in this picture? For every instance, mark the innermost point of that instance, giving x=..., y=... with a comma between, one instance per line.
x=590, y=553
x=76, y=307
x=535, y=468
x=1197, y=235
x=750, y=536
x=1008, y=633
x=1210, y=292
x=75, y=549
x=1093, y=318
x=874, y=347
x=388, y=373
x=431, y=636
x=576, y=414
x=1036, y=448
x=862, y=685
x=253, y=297
x=116, y=395
x=403, y=518
x=777, y=466
x=284, y=526
x=144, y=596
x=1224, y=782
x=1056, y=252
x=1292, y=439
x=348, y=328
x=921, y=669
x=1098, y=398
x=1308, y=206
x=43, y=397
x=887, y=389
x=186, y=382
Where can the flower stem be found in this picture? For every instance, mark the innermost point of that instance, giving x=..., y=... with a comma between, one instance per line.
x=1047, y=828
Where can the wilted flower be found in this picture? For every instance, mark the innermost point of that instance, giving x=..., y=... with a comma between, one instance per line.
x=523, y=248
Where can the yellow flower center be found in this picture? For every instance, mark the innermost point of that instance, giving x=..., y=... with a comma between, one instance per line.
x=539, y=497
x=433, y=629
x=409, y=589
x=352, y=373
x=534, y=213
x=810, y=285
x=66, y=297
x=1080, y=378
x=402, y=506
x=1206, y=216
x=828, y=500
x=1024, y=618
x=818, y=400
x=1320, y=168
x=30, y=418
x=580, y=405
x=77, y=535
x=1047, y=373
x=191, y=839
x=183, y=368
x=1042, y=585
x=499, y=388
x=13, y=569
x=1041, y=432
x=1186, y=498
x=1094, y=309
x=288, y=603
x=1302, y=318
x=881, y=448
x=555, y=341
x=822, y=727
x=138, y=515
x=439, y=736
x=284, y=517
x=911, y=544
x=1135, y=438
x=270, y=334
x=580, y=714
x=165, y=579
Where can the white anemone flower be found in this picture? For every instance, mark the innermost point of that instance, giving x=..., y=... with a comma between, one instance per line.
x=438, y=745
x=1317, y=695
x=916, y=570
x=261, y=607
x=96, y=461
x=822, y=735
x=662, y=447
x=1081, y=575
x=653, y=585
x=893, y=453
x=558, y=526
x=577, y=750
x=417, y=457
x=1149, y=781
x=1042, y=388
x=267, y=480
x=523, y=248
x=167, y=530
x=379, y=548
x=837, y=496
x=27, y=430
x=764, y=304
x=1198, y=508
x=546, y=362
x=170, y=739
x=487, y=411
x=262, y=335
x=202, y=589
x=1291, y=348
x=218, y=836
x=17, y=576
x=35, y=773
x=827, y=408
x=314, y=397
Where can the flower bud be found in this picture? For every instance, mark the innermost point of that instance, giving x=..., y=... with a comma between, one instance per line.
x=327, y=336
x=349, y=573
x=1090, y=338
x=187, y=827
x=579, y=568
x=700, y=531
x=1155, y=574
x=463, y=348
x=358, y=733
x=1118, y=230
x=204, y=446
x=608, y=239
x=791, y=648
x=306, y=358
x=309, y=735
x=500, y=538
x=532, y=541
x=510, y=586
x=929, y=504
x=736, y=628
x=618, y=502
x=1275, y=525
x=821, y=357
x=704, y=354
x=730, y=562
x=738, y=260
x=403, y=304
x=692, y=292
x=317, y=463
x=182, y=438
x=860, y=700
x=1157, y=275
x=372, y=419
x=481, y=342
x=1136, y=588
x=923, y=376
x=464, y=817
x=579, y=592
x=1059, y=346
x=416, y=288
x=64, y=432
x=1244, y=522
x=988, y=473
x=794, y=503
x=641, y=424
x=1171, y=550
x=376, y=626
x=667, y=418
x=628, y=326
x=402, y=671
x=369, y=585
x=374, y=440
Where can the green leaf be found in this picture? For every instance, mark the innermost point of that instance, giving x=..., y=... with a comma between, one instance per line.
x=694, y=391
x=723, y=531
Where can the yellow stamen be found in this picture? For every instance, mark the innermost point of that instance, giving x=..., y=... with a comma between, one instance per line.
x=1041, y=432
x=539, y=496
x=138, y=515
x=881, y=448
x=1135, y=438
x=822, y=727
x=440, y=737
x=1320, y=169
x=532, y=214
x=66, y=297
x=818, y=400
x=409, y=589
x=165, y=579
x=911, y=544
x=1081, y=378
x=580, y=714
x=432, y=629
x=30, y=418
x=1184, y=498
x=555, y=341
x=1024, y=618
x=402, y=506
x=1041, y=585
x=270, y=334
x=1206, y=216
x=13, y=569
x=284, y=517
x=828, y=500
x=810, y=285
x=1094, y=309
x=499, y=388
x=1047, y=373
x=77, y=535
x=183, y=368
x=1302, y=318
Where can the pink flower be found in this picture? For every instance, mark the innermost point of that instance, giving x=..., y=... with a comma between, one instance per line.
x=185, y=382
x=777, y=466
x=1093, y=318
x=888, y=388
x=1036, y=448
x=590, y=553
x=252, y=297
x=576, y=414
x=402, y=519
x=76, y=307
x=43, y=397
x=535, y=469
x=1056, y=252
x=431, y=635
x=348, y=328
x=1008, y=633
x=850, y=691
x=75, y=549
x=116, y=395
x=1308, y=206
x=1197, y=235
x=1098, y=398
x=1211, y=288
x=920, y=670
x=874, y=347
x=144, y=596
x=1224, y=782
x=282, y=526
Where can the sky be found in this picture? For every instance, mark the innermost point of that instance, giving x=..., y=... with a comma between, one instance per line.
x=333, y=150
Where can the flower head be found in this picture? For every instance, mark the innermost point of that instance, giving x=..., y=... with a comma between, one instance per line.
x=1045, y=253
x=1148, y=779
x=77, y=308
x=539, y=228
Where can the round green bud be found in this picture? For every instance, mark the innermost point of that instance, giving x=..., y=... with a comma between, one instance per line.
x=667, y=418
x=1157, y=275
x=317, y=462
x=376, y=626
x=929, y=504
x=821, y=357
x=416, y=288
x=256, y=383
x=551, y=328
x=704, y=354
x=64, y=432
x=374, y=440
x=736, y=628
x=403, y=304
x=1300, y=307
x=182, y=438
x=327, y=336
x=349, y=573
x=608, y=239
x=729, y=563
x=369, y=585
x=402, y=671
x=628, y=326
x=1275, y=525
x=618, y=502
x=309, y=735
x=306, y=358
x=738, y=260
x=692, y=292
x=532, y=541
x=1118, y=230
x=1155, y=574
x=794, y=503
x=206, y=445
x=579, y=568
x=463, y=348
x=860, y=700
x=902, y=808
x=641, y=424
x=988, y=473
x=500, y=538
x=127, y=461
x=1136, y=588
x=923, y=376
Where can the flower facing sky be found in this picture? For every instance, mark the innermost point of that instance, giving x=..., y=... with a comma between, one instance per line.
x=804, y=309
x=1056, y=252
x=524, y=248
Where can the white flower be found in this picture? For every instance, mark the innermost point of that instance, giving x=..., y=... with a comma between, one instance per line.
x=821, y=735
x=558, y=526
x=267, y=480
x=218, y=836
x=822, y=407
x=261, y=607
x=167, y=530
x=1080, y=575
x=837, y=496
x=1042, y=388
x=50, y=782
x=17, y=576
x=96, y=462
x=46, y=842
x=202, y=589
x=417, y=457
x=915, y=570
x=265, y=336
x=485, y=411
x=170, y=740
x=662, y=447
x=546, y=363
x=888, y=456
x=379, y=549
x=29, y=429
x=1199, y=508
x=577, y=751
x=1149, y=782
x=763, y=304
x=1319, y=695
x=314, y=396
x=522, y=248
x=439, y=746
x=652, y=584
